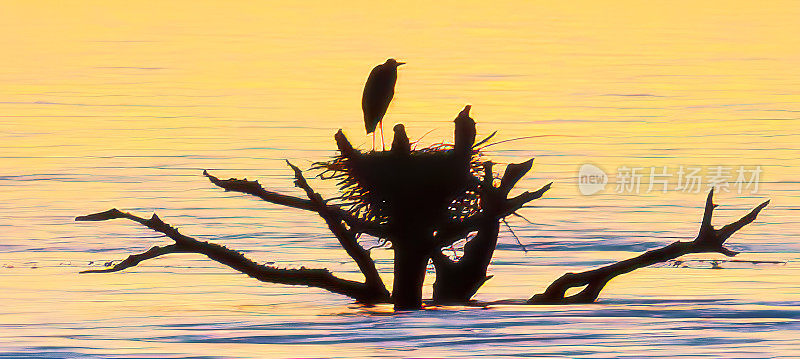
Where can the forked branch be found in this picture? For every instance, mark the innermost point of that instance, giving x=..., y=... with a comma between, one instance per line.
x=708, y=240
x=320, y=278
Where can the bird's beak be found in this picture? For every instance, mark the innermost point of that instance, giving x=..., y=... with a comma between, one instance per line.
x=401, y=63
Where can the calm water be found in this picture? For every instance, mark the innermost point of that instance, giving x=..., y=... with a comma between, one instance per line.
x=124, y=104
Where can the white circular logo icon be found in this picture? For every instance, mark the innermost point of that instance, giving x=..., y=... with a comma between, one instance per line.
x=591, y=179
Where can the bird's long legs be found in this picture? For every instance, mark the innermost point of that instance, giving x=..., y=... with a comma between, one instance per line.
x=383, y=144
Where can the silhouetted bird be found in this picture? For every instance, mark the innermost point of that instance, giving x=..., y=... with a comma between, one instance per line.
x=465, y=131
x=400, y=144
x=378, y=93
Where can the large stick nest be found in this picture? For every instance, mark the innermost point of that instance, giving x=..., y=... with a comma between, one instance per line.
x=431, y=181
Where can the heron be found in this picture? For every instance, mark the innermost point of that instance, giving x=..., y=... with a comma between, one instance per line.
x=378, y=93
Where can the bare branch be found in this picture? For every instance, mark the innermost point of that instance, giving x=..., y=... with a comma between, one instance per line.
x=347, y=238
x=135, y=259
x=726, y=231
x=709, y=209
x=712, y=240
x=514, y=172
x=708, y=240
x=320, y=278
x=255, y=189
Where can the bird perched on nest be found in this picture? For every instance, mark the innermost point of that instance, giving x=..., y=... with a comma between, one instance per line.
x=400, y=144
x=465, y=131
x=378, y=93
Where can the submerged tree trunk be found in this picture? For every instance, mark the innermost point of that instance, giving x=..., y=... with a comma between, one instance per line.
x=409, y=275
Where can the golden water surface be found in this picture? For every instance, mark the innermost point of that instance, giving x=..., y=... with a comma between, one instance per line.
x=123, y=104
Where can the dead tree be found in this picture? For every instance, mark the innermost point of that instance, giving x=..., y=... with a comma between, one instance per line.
x=420, y=202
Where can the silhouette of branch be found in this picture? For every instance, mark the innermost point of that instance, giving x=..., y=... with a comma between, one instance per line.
x=320, y=278
x=254, y=188
x=347, y=238
x=513, y=173
x=458, y=281
x=708, y=240
x=135, y=259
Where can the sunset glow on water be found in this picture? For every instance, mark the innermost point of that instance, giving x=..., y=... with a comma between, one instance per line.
x=124, y=104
